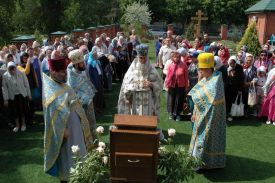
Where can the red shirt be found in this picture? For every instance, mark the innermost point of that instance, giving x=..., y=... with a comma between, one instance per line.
x=177, y=75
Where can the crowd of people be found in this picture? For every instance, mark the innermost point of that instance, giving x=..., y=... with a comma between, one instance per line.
x=105, y=61
x=68, y=79
x=177, y=57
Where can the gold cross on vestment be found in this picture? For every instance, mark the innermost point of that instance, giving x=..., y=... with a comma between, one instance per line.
x=199, y=18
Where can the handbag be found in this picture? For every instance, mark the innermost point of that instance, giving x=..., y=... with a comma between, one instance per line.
x=252, y=95
x=237, y=110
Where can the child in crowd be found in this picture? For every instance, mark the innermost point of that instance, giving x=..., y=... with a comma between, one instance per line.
x=260, y=81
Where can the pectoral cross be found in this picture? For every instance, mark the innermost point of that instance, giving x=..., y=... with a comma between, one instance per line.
x=199, y=19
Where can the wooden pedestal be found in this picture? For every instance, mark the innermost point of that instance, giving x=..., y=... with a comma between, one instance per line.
x=134, y=149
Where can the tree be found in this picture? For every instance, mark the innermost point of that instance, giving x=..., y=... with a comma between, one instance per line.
x=182, y=10
x=227, y=11
x=27, y=16
x=250, y=39
x=72, y=17
x=137, y=13
x=5, y=31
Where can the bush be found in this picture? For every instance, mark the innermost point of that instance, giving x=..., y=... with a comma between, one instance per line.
x=250, y=39
x=175, y=163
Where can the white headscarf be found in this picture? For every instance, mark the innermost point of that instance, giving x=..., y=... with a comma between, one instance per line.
x=218, y=62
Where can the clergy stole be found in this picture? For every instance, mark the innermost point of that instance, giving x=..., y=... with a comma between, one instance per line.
x=141, y=103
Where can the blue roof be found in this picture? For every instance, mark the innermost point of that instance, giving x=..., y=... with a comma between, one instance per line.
x=262, y=6
x=59, y=33
x=78, y=30
x=24, y=38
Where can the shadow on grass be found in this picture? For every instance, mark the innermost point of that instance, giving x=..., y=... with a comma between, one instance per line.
x=241, y=169
x=246, y=122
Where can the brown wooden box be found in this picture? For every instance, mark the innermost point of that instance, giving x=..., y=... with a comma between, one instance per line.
x=134, y=149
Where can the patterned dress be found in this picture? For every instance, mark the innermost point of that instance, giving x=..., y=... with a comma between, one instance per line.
x=209, y=131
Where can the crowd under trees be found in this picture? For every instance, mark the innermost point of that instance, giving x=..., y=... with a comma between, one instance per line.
x=46, y=16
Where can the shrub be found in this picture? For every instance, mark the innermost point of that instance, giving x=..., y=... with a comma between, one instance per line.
x=250, y=39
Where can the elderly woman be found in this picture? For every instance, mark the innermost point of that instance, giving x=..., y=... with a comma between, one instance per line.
x=15, y=87
x=177, y=83
x=235, y=83
x=250, y=74
x=102, y=52
x=268, y=107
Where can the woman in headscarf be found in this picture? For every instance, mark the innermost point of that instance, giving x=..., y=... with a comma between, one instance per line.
x=224, y=54
x=235, y=83
x=15, y=87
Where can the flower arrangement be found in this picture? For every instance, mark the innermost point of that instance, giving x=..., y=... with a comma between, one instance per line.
x=94, y=167
x=175, y=163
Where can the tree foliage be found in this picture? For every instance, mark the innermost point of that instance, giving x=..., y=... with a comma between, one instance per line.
x=137, y=13
x=5, y=25
x=250, y=39
x=72, y=17
x=46, y=16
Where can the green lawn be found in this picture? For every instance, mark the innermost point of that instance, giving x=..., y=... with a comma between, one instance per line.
x=250, y=148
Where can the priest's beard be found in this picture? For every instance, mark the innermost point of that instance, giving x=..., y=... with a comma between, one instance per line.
x=81, y=68
x=58, y=77
x=140, y=66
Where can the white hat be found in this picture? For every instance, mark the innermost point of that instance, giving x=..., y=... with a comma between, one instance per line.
x=262, y=69
x=233, y=57
x=11, y=64
x=76, y=56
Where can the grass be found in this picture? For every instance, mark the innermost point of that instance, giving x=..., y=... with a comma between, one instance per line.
x=250, y=148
